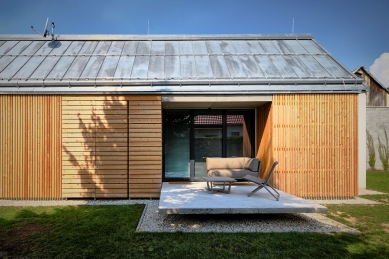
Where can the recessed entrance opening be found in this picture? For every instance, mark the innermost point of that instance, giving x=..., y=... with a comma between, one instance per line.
x=190, y=136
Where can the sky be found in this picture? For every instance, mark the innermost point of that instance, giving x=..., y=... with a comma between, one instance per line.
x=355, y=32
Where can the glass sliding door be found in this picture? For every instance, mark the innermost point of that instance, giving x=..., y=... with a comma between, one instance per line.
x=177, y=143
x=190, y=136
x=208, y=139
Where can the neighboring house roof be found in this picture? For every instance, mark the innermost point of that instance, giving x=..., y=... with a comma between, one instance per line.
x=378, y=83
x=166, y=64
x=217, y=119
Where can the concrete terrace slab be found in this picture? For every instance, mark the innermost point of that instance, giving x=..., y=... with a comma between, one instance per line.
x=193, y=198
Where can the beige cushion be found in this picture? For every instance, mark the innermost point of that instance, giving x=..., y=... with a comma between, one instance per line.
x=252, y=164
x=233, y=173
x=226, y=163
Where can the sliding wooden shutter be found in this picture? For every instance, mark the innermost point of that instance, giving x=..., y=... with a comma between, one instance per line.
x=315, y=140
x=95, y=147
x=145, y=138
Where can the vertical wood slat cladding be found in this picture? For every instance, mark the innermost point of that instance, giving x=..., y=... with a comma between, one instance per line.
x=315, y=142
x=95, y=147
x=30, y=147
x=145, y=145
x=246, y=139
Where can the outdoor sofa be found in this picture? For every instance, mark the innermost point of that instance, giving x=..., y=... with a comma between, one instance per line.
x=234, y=167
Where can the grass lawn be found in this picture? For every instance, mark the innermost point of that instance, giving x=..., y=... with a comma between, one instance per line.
x=378, y=181
x=109, y=232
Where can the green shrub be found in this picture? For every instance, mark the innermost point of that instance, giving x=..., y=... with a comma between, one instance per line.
x=383, y=151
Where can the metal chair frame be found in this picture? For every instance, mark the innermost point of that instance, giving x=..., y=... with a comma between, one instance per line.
x=263, y=183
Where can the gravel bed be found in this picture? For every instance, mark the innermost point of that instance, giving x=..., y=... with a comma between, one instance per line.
x=152, y=221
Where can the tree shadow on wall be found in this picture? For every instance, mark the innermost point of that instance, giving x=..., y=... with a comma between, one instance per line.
x=97, y=162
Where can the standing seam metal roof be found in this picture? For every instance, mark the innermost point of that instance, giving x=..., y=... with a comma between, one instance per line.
x=162, y=60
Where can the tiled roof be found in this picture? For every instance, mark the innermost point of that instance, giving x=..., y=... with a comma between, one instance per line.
x=217, y=120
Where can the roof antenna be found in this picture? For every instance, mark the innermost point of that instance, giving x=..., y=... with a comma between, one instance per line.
x=148, y=26
x=47, y=32
x=293, y=26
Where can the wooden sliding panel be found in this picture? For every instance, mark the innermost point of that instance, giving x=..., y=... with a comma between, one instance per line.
x=145, y=146
x=30, y=147
x=95, y=147
x=111, y=156
x=315, y=141
x=78, y=147
x=264, y=137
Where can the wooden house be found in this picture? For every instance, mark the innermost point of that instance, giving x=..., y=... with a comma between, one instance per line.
x=378, y=94
x=113, y=116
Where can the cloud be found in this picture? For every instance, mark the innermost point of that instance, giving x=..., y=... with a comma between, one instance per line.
x=380, y=69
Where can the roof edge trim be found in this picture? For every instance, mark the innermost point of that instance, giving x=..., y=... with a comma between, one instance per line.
x=19, y=83
x=31, y=92
x=191, y=89
x=159, y=37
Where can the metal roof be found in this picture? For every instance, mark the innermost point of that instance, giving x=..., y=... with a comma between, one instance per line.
x=170, y=64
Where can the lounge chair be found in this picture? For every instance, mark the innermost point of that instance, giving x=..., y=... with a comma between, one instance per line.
x=263, y=183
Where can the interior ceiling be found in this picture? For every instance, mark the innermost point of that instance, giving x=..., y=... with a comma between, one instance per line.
x=211, y=105
x=214, y=102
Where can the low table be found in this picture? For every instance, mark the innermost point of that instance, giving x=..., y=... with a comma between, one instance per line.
x=212, y=180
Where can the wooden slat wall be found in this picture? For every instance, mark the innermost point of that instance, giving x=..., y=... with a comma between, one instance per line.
x=30, y=147
x=95, y=147
x=112, y=146
x=264, y=137
x=315, y=142
x=145, y=139
x=246, y=139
